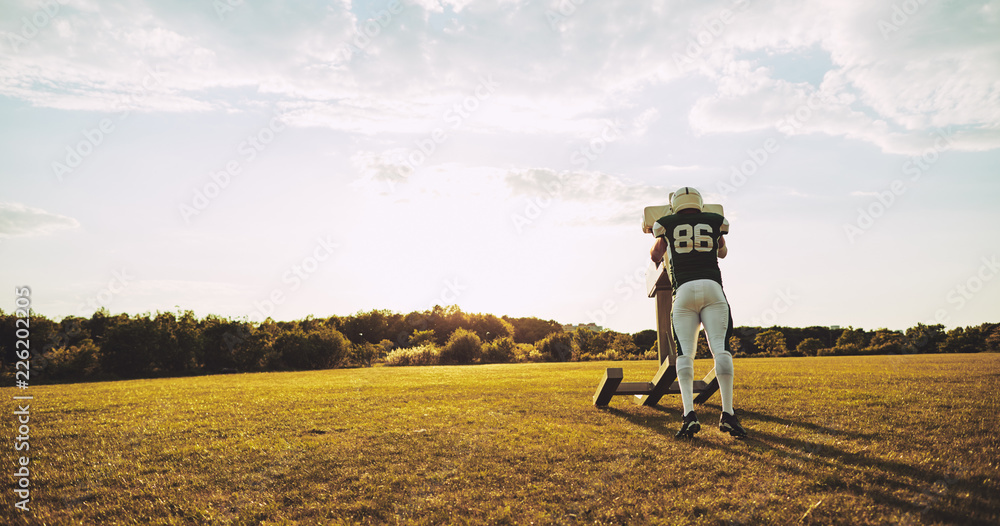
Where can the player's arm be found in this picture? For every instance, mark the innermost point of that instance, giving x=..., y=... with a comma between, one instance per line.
x=658, y=251
x=723, y=230
x=660, y=247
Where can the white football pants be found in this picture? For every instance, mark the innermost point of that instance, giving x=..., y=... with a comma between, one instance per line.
x=702, y=303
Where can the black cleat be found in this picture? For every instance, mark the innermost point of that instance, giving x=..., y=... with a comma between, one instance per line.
x=729, y=423
x=689, y=427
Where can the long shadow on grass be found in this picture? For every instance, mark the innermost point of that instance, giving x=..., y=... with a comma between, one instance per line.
x=858, y=473
x=809, y=426
x=867, y=477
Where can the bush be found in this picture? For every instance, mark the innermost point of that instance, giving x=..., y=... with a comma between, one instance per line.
x=523, y=351
x=73, y=362
x=608, y=355
x=993, y=341
x=428, y=354
x=840, y=350
x=363, y=354
x=419, y=338
x=319, y=349
x=463, y=347
x=500, y=350
x=558, y=347
x=809, y=346
x=771, y=341
x=852, y=336
x=129, y=348
x=624, y=346
x=886, y=348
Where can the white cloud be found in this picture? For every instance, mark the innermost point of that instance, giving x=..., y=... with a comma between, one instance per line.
x=326, y=67
x=644, y=120
x=18, y=220
x=589, y=196
x=938, y=70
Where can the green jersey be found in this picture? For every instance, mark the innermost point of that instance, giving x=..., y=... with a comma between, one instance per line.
x=693, y=241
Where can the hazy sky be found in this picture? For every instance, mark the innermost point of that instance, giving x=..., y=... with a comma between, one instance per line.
x=253, y=158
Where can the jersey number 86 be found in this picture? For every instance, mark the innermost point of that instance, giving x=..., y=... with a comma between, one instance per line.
x=687, y=238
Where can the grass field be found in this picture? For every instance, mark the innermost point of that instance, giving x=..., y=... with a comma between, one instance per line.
x=840, y=440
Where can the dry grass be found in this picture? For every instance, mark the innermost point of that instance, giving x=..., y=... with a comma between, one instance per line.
x=845, y=440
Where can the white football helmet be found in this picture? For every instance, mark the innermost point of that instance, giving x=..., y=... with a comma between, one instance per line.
x=685, y=198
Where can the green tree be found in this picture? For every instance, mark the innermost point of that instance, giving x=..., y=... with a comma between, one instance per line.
x=363, y=354
x=963, y=340
x=419, y=338
x=221, y=340
x=531, y=330
x=622, y=344
x=500, y=350
x=993, y=340
x=809, y=346
x=73, y=362
x=445, y=320
x=735, y=345
x=852, y=336
x=129, y=348
x=558, y=347
x=885, y=341
x=704, y=350
x=489, y=327
x=588, y=342
x=319, y=349
x=256, y=351
x=925, y=338
x=771, y=341
x=372, y=326
x=463, y=347
x=644, y=339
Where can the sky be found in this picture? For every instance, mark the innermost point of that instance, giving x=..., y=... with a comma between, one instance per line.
x=284, y=159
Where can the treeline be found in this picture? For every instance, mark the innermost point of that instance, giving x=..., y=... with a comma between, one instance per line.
x=107, y=346
x=824, y=341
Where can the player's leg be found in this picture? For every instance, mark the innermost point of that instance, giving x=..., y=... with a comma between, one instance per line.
x=718, y=328
x=718, y=321
x=685, y=321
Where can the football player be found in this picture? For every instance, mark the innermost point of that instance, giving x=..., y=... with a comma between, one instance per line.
x=695, y=241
